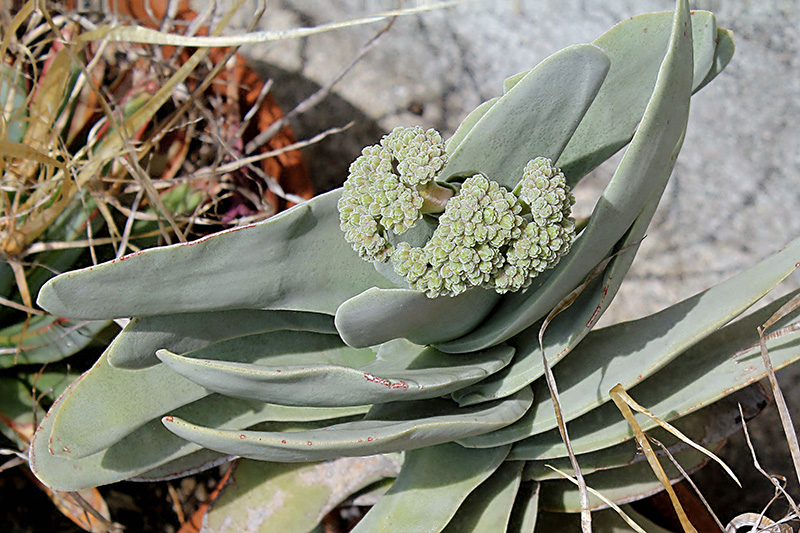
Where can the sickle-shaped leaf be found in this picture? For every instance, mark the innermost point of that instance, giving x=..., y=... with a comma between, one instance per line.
x=722, y=55
x=488, y=508
x=620, y=485
x=386, y=428
x=432, y=485
x=525, y=512
x=642, y=173
x=468, y=123
x=379, y=315
x=292, y=261
x=635, y=47
x=417, y=373
x=109, y=403
x=291, y=497
x=151, y=446
x=629, y=352
x=536, y=117
x=704, y=374
x=567, y=329
x=187, y=465
x=137, y=343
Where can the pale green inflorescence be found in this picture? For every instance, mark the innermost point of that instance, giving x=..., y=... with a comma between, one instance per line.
x=549, y=235
x=486, y=237
x=466, y=249
x=384, y=191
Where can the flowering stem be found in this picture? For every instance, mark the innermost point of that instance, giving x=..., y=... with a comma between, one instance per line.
x=435, y=197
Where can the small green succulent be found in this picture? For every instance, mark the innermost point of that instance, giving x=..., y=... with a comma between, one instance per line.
x=291, y=345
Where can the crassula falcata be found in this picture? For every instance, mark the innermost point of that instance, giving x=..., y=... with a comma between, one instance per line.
x=402, y=313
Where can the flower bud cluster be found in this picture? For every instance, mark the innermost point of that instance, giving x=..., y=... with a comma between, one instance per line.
x=487, y=236
x=549, y=235
x=466, y=249
x=383, y=191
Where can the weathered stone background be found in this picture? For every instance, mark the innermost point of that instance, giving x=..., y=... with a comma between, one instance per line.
x=735, y=192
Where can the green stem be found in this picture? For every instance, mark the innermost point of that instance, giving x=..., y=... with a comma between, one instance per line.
x=435, y=197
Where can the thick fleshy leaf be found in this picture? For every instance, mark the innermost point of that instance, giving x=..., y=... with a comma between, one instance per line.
x=86, y=424
x=629, y=352
x=536, y=117
x=370, y=495
x=606, y=521
x=432, y=484
x=47, y=339
x=137, y=343
x=635, y=47
x=705, y=427
x=413, y=373
x=186, y=465
x=292, y=261
x=620, y=485
x=379, y=315
x=151, y=448
x=722, y=55
x=710, y=370
x=566, y=330
x=642, y=174
x=386, y=428
x=526, y=508
x=468, y=123
x=488, y=508
x=291, y=497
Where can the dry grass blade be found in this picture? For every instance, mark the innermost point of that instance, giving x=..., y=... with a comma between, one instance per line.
x=19, y=307
x=759, y=523
x=586, y=519
x=784, y=310
x=16, y=23
x=644, y=444
x=138, y=34
x=319, y=94
x=24, y=151
x=621, y=397
x=780, y=401
x=688, y=479
x=779, y=488
x=605, y=500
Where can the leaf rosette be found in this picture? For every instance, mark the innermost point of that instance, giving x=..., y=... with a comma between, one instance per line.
x=399, y=313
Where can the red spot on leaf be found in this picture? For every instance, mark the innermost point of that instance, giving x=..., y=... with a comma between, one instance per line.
x=594, y=316
x=283, y=442
x=242, y=436
x=169, y=419
x=369, y=439
x=310, y=443
x=385, y=381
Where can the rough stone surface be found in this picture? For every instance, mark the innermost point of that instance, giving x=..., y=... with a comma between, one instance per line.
x=734, y=194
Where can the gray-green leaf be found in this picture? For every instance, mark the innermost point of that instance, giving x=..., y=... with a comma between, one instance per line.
x=386, y=428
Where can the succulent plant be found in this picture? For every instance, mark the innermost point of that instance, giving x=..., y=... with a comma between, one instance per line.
x=317, y=363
